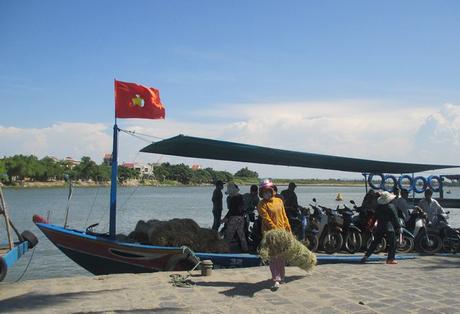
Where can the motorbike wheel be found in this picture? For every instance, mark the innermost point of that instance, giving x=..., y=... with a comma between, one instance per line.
x=353, y=241
x=431, y=246
x=406, y=245
x=333, y=243
x=380, y=247
x=311, y=242
x=451, y=244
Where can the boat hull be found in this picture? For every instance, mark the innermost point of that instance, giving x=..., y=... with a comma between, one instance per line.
x=101, y=256
x=8, y=259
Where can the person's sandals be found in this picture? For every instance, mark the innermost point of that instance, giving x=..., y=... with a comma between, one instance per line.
x=275, y=286
x=392, y=262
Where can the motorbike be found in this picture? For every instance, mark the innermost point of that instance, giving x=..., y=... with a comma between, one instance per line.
x=329, y=231
x=405, y=242
x=304, y=228
x=450, y=237
x=366, y=222
x=427, y=238
x=352, y=239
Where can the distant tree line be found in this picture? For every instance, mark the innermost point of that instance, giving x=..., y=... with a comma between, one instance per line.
x=30, y=168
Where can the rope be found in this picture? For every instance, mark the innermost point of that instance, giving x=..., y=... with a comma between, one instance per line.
x=27, y=267
x=183, y=281
x=135, y=134
x=122, y=207
x=92, y=207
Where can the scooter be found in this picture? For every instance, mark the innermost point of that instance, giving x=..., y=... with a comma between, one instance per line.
x=304, y=229
x=329, y=231
x=427, y=238
x=450, y=236
x=366, y=222
x=352, y=234
x=405, y=242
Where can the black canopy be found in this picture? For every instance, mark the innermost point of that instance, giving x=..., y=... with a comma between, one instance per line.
x=196, y=147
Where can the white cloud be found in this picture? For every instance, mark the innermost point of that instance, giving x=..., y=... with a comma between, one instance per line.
x=363, y=129
x=59, y=140
x=439, y=136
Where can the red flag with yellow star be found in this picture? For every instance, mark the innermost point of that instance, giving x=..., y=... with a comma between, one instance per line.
x=137, y=101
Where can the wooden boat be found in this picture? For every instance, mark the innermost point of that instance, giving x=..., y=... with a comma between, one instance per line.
x=104, y=254
x=12, y=251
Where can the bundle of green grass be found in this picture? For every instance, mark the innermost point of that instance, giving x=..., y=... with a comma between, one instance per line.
x=281, y=243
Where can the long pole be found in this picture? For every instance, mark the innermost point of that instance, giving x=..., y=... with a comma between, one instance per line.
x=113, y=184
x=4, y=212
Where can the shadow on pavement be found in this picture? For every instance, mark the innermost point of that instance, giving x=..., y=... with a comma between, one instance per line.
x=40, y=301
x=439, y=262
x=245, y=288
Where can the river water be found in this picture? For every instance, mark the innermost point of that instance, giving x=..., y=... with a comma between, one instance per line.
x=90, y=205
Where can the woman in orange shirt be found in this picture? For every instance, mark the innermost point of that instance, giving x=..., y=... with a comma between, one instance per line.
x=273, y=216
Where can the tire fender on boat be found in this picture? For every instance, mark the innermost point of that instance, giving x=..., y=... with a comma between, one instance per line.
x=392, y=178
x=411, y=185
x=430, y=183
x=416, y=179
x=30, y=238
x=372, y=185
x=3, y=269
x=177, y=259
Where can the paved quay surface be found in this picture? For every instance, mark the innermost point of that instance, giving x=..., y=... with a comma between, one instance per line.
x=429, y=284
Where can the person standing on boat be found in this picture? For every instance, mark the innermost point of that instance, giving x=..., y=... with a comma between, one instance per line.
x=251, y=200
x=387, y=223
x=290, y=200
x=431, y=207
x=235, y=216
x=402, y=204
x=217, y=204
x=273, y=216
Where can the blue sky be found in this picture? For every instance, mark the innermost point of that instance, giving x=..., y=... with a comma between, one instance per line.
x=352, y=78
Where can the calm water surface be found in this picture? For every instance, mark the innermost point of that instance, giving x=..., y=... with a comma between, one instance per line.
x=90, y=205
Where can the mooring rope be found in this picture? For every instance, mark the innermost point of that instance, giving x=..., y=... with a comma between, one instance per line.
x=183, y=281
x=27, y=266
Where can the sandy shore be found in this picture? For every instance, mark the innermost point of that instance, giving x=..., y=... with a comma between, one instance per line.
x=423, y=285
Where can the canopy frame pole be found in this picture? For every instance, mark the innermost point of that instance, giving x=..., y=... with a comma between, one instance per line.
x=441, y=191
x=365, y=181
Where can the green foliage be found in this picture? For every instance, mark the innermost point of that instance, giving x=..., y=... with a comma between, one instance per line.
x=246, y=173
x=127, y=173
x=3, y=175
x=30, y=168
x=185, y=175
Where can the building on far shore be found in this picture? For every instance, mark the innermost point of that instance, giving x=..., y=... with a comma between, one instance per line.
x=144, y=170
x=69, y=162
x=107, y=159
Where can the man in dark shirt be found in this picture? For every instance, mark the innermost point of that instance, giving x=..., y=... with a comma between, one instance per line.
x=290, y=200
x=217, y=204
x=387, y=223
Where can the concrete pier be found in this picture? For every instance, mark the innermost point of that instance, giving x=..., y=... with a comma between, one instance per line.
x=428, y=284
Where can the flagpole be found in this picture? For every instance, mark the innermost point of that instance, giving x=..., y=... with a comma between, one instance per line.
x=113, y=182
x=113, y=185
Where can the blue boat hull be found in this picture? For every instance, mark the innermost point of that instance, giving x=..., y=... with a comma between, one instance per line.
x=9, y=259
x=101, y=256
